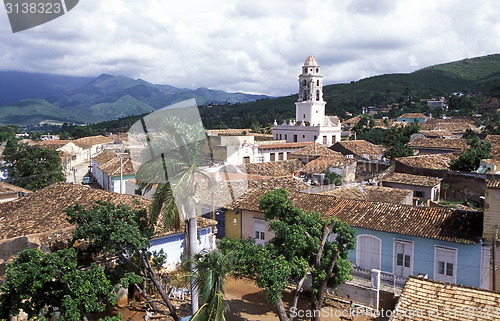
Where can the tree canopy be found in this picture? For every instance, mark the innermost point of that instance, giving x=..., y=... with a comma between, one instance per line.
x=33, y=167
x=304, y=243
x=470, y=159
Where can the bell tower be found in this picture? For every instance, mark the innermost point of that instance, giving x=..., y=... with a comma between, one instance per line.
x=310, y=106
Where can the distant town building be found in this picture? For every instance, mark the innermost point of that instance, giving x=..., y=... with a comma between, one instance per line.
x=310, y=124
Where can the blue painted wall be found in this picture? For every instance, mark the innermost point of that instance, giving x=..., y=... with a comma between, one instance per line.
x=468, y=256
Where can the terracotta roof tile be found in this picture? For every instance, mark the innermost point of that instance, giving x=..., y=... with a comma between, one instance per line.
x=456, y=144
x=362, y=148
x=436, y=223
x=316, y=150
x=104, y=156
x=409, y=179
x=322, y=163
x=432, y=161
x=423, y=300
x=370, y=193
x=279, y=168
x=87, y=142
x=413, y=115
x=52, y=144
x=43, y=211
x=112, y=167
x=6, y=188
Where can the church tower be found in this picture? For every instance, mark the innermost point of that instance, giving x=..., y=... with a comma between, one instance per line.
x=310, y=106
x=310, y=124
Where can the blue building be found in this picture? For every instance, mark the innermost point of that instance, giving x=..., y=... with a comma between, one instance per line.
x=402, y=240
x=412, y=118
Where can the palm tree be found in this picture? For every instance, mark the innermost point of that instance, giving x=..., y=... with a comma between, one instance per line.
x=211, y=272
x=174, y=150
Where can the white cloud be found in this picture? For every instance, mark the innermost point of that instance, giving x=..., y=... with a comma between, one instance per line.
x=252, y=46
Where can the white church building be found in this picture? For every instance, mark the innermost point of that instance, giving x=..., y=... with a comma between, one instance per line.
x=310, y=124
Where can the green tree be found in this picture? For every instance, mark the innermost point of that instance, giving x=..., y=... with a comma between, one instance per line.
x=111, y=231
x=300, y=247
x=38, y=282
x=332, y=178
x=364, y=124
x=470, y=159
x=33, y=167
x=211, y=272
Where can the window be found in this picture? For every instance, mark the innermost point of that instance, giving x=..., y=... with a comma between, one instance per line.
x=315, y=137
x=445, y=264
x=317, y=70
x=259, y=228
x=246, y=160
x=304, y=116
x=418, y=194
x=324, y=140
x=403, y=252
x=138, y=192
x=334, y=139
x=286, y=136
x=317, y=95
x=303, y=136
x=294, y=138
x=317, y=82
x=280, y=156
x=280, y=136
x=272, y=156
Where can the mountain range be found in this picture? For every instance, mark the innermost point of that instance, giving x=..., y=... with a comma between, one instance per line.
x=31, y=98
x=472, y=75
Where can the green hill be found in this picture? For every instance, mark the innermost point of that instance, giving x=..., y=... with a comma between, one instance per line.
x=481, y=74
x=123, y=107
x=33, y=111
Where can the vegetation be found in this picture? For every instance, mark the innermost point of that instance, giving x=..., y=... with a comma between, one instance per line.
x=332, y=178
x=211, y=272
x=69, y=282
x=470, y=159
x=300, y=248
x=109, y=230
x=32, y=167
x=39, y=282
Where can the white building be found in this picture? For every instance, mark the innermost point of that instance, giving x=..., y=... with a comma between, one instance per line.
x=310, y=124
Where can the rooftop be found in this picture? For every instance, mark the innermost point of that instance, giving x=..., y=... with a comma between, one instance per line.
x=362, y=148
x=86, y=142
x=413, y=116
x=370, y=193
x=279, y=168
x=422, y=298
x=315, y=150
x=52, y=143
x=114, y=166
x=6, y=188
x=409, y=179
x=104, y=156
x=43, y=210
x=436, y=223
x=456, y=144
x=432, y=161
x=493, y=184
x=322, y=163
x=310, y=61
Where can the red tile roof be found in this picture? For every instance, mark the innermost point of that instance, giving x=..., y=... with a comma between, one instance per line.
x=283, y=145
x=409, y=179
x=362, y=148
x=423, y=300
x=432, y=161
x=322, y=163
x=316, y=150
x=456, y=144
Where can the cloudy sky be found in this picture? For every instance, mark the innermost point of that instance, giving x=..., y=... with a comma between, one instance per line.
x=250, y=45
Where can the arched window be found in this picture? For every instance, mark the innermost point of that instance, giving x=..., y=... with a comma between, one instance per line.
x=317, y=95
x=317, y=82
x=368, y=252
x=317, y=69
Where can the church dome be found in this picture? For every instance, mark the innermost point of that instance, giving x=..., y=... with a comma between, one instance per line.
x=311, y=61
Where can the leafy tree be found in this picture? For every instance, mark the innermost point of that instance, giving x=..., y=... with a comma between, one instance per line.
x=398, y=150
x=470, y=159
x=33, y=167
x=300, y=247
x=365, y=123
x=397, y=138
x=332, y=178
x=112, y=231
x=38, y=282
x=465, y=106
